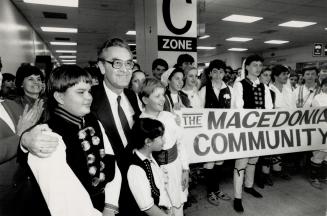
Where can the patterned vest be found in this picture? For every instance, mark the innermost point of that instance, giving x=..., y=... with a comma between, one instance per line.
x=253, y=97
x=146, y=166
x=84, y=150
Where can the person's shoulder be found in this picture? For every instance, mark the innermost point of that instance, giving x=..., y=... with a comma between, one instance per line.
x=12, y=105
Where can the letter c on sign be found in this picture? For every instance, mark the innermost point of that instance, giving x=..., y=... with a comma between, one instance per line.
x=167, y=19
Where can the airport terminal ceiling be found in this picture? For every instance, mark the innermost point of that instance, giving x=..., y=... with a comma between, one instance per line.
x=97, y=20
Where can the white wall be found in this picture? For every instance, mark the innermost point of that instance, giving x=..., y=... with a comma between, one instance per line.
x=233, y=59
x=18, y=41
x=292, y=56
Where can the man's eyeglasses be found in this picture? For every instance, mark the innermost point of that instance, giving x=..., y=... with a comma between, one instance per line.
x=117, y=64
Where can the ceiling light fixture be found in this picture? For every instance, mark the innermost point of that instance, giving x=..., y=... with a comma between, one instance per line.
x=242, y=18
x=205, y=48
x=297, y=24
x=131, y=32
x=58, y=29
x=238, y=49
x=68, y=60
x=276, y=42
x=64, y=3
x=132, y=44
x=67, y=57
x=69, y=63
x=66, y=51
x=239, y=39
x=63, y=43
x=204, y=37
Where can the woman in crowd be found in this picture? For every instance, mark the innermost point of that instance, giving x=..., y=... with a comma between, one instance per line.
x=172, y=159
x=28, y=84
x=136, y=84
x=175, y=98
x=216, y=94
x=84, y=177
x=145, y=178
x=191, y=87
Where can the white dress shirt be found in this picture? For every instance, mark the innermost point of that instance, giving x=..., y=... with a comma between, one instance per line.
x=308, y=95
x=284, y=98
x=127, y=108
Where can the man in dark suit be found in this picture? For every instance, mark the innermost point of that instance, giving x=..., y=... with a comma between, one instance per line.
x=112, y=97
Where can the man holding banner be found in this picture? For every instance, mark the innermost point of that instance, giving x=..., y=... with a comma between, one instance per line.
x=249, y=93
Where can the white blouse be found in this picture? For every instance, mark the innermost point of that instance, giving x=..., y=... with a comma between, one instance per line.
x=140, y=185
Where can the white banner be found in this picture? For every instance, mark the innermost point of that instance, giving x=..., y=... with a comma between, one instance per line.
x=222, y=134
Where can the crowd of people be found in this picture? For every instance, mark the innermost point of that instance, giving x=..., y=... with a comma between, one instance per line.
x=105, y=140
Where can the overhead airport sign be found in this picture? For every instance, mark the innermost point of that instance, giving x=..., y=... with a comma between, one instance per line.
x=318, y=49
x=169, y=43
x=177, y=29
x=222, y=134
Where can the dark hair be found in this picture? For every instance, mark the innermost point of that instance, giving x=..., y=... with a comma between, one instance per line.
x=218, y=64
x=23, y=72
x=136, y=65
x=8, y=77
x=253, y=58
x=310, y=68
x=184, y=58
x=294, y=74
x=62, y=78
x=146, y=128
x=114, y=42
x=277, y=70
x=133, y=75
x=150, y=84
x=160, y=62
x=175, y=71
x=323, y=82
x=265, y=69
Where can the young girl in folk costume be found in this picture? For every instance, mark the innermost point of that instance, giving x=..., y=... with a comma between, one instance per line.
x=175, y=98
x=319, y=159
x=248, y=93
x=191, y=87
x=84, y=178
x=145, y=178
x=172, y=159
x=215, y=94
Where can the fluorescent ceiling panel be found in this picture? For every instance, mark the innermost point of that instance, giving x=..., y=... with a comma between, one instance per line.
x=64, y=3
x=242, y=18
x=239, y=39
x=66, y=51
x=67, y=57
x=131, y=32
x=63, y=43
x=238, y=49
x=276, y=42
x=58, y=29
x=205, y=48
x=204, y=37
x=297, y=24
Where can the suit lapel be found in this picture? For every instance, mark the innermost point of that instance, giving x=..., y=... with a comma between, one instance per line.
x=101, y=108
